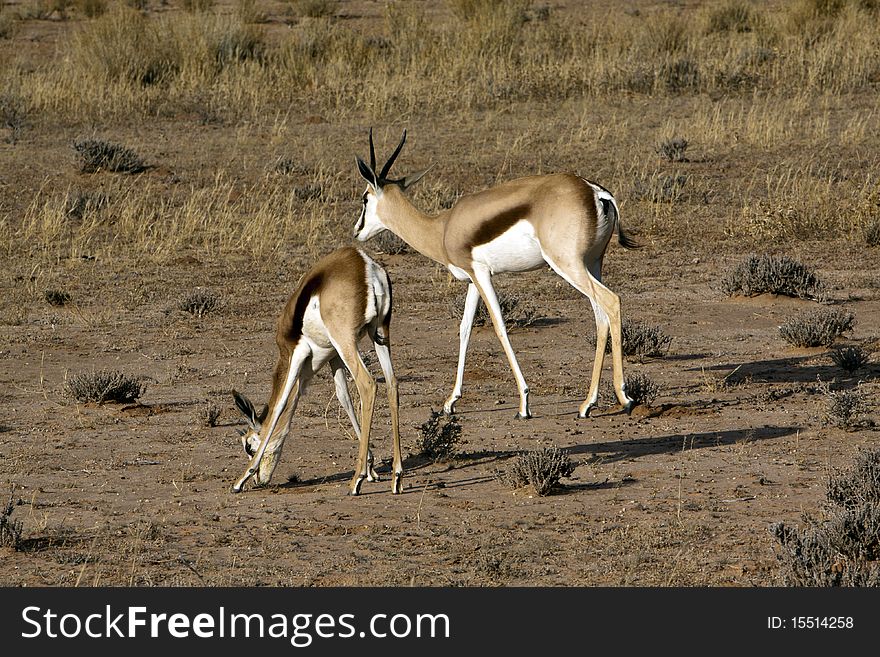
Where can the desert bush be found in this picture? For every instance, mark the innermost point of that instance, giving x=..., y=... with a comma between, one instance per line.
x=673, y=149
x=79, y=204
x=57, y=297
x=539, y=468
x=199, y=302
x=208, y=413
x=198, y=5
x=315, y=8
x=103, y=386
x=439, y=436
x=516, y=313
x=679, y=75
x=660, y=188
x=842, y=547
x=641, y=388
x=10, y=530
x=817, y=328
x=872, y=234
x=846, y=408
x=641, y=339
x=12, y=111
x=850, y=358
x=731, y=16
x=771, y=274
x=97, y=154
x=91, y=8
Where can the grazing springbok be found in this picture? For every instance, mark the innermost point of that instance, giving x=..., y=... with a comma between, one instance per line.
x=562, y=220
x=344, y=296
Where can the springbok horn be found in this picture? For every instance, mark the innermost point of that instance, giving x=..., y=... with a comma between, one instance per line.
x=393, y=157
x=372, y=153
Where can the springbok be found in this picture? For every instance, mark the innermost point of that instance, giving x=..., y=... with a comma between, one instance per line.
x=562, y=220
x=343, y=296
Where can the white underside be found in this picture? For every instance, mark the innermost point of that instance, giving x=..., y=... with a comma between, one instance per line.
x=516, y=249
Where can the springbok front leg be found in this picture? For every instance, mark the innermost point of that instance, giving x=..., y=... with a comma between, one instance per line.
x=344, y=397
x=297, y=359
x=471, y=303
x=483, y=280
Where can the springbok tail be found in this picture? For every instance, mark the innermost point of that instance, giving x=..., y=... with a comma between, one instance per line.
x=609, y=206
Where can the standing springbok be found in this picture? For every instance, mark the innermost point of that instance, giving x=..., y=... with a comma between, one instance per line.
x=345, y=295
x=562, y=220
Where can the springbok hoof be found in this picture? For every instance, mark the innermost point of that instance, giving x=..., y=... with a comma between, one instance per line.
x=586, y=412
x=520, y=416
x=397, y=485
x=629, y=407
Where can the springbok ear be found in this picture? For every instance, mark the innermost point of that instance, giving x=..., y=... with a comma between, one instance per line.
x=264, y=412
x=413, y=178
x=247, y=409
x=367, y=173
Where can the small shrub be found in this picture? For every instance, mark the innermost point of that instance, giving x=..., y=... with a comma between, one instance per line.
x=315, y=8
x=10, y=530
x=817, y=328
x=872, y=234
x=659, y=188
x=641, y=339
x=732, y=16
x=540, y=468
x=439, y=436
x=198, y=5
x=308, y=192
x=57, y=297
x=91, y=8
x=771, y=274
x=97, y=154
x=850, y=359
x=12, y=110
x=514, y=311
x=680, y=75
x=199, y=302
x=673, y=150
x=104, y=386
x=843, y=546
x=846, y=408
x=209, y=412
x=287, y=166
x=641, y=388
x=78, y=205
x=388, y=242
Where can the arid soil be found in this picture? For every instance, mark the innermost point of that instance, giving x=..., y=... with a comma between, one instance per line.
x=682, y=492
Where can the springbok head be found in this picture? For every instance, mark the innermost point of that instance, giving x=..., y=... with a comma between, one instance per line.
x=250, y=437
x=371, y=220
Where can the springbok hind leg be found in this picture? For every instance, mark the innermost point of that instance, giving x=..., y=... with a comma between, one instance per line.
x=366, y=386
x=383, y=351
x=342, y=394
